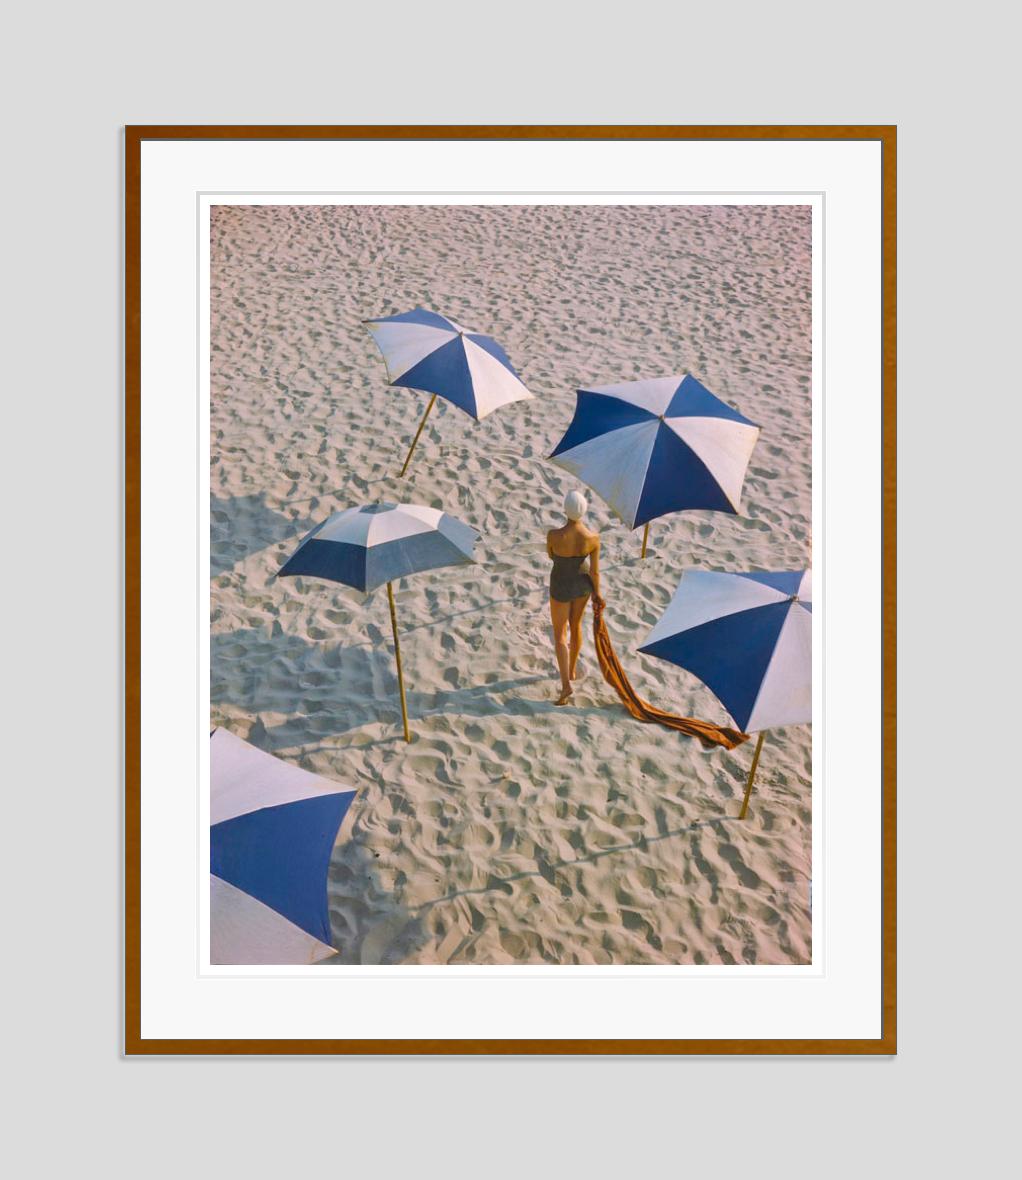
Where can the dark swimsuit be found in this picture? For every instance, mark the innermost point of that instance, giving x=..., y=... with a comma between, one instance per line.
x=568, y=580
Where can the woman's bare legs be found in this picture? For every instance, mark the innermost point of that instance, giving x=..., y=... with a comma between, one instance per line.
x=559, y=614
x=576, y=609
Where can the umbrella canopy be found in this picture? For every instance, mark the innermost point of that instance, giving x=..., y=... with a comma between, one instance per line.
x=658, y=446
x=423, y=350
x=365, y=547
x=748, y=637
x=272, y=831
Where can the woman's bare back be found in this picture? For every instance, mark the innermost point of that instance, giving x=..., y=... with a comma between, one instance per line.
x=571, y=540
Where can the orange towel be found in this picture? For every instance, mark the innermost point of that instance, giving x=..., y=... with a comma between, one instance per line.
x=613, y=673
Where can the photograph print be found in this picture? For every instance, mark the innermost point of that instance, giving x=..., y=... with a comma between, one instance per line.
x=510, y=584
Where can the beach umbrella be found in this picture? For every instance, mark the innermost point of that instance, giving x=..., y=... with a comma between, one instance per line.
x=365, y=547
x=272, y=829
x=427, y=351
x=658, y=446
x=748, y=637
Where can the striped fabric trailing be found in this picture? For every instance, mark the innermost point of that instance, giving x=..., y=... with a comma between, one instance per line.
x=427, y=351
x=658, y=446
x=748, y=637
x=709, y=735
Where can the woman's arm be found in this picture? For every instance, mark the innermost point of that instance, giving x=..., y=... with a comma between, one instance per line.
x=549, y=545
x=594, y=567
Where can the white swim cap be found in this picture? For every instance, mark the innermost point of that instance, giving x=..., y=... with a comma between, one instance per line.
x=575, y=505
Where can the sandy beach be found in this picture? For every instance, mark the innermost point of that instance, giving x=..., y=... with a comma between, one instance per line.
x=509, y=830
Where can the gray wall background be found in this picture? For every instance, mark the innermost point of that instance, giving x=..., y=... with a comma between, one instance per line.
x=74, y=75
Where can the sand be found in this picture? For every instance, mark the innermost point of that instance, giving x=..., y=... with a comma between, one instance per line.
x=508, y=831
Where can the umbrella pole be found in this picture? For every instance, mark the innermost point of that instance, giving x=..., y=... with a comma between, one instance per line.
x=752, y=774
x=416, y=439
x=645, y=538
x=397, y=656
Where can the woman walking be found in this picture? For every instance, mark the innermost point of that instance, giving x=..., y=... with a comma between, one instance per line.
x=571, y=586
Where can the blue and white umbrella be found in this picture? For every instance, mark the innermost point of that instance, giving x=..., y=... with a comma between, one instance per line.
x=365, y=547
x=748, y=637
x=658, y=446
x=272, y=830
x=427, y=351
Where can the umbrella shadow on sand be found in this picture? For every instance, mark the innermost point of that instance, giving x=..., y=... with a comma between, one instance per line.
x=367, y=922
x=333, y=689
x=242, y=525
x=481, y=700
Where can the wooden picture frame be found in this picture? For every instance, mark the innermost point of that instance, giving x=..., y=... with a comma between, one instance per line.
x=134, y=1040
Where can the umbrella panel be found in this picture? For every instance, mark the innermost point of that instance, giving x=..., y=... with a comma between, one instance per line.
x=730, y=655
x=280, y=856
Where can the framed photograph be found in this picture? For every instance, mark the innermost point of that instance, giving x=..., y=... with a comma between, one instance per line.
x=510, y=590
